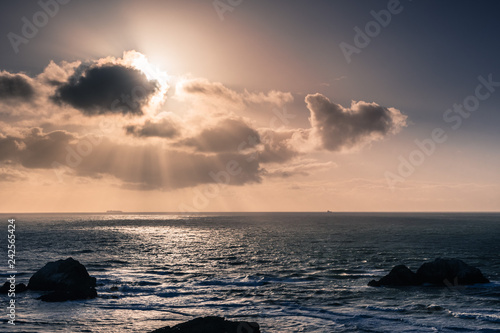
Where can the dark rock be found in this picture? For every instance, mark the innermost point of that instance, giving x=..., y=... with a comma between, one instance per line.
x=68, y=279
x=19, y=288
x=443, y=272
x=400, y=275
x=211, y=325
x=450, y=272
x=66, y=295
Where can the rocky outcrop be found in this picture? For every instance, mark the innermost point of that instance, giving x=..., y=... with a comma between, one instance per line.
x=211, y=325
x=7, y=287
x=399, y=276
x=443, y=272
x=450, y=271
x=66, y=279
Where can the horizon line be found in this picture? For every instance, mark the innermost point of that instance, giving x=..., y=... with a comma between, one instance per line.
x=257, y=212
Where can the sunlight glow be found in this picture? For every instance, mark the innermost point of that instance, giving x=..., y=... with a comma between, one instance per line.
x=152, y=73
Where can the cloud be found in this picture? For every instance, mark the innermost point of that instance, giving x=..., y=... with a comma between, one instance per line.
x=15, y=86
x=40, y=149
x=277, y=146
x=339, y=128
x=35, y=149
x=210, y=89
x=211, y=140
x=275, y=97
x=7, y=175
x=226, y=136
x=302, y=168
x=110, y=88
x=56, y=74
x=153, y=167
x=163, y=128
x=9, y=147
x=216, y=90
x=143, y=167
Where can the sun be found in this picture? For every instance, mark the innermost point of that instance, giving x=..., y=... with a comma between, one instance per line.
x=153, y=73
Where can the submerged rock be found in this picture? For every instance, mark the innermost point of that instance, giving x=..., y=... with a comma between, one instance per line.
x=211, y=325
x=67, y=279
x=443, y=272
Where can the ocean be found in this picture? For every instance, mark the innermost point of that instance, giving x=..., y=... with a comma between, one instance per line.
x=290, y=272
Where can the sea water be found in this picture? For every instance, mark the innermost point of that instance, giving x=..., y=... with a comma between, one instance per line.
x=290, y=272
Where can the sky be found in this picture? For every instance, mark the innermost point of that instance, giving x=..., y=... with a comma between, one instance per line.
x=239, y=105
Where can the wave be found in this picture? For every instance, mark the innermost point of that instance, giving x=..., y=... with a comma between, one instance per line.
x=415, y=308
x=83, y=251
x=493, y=318
x=231, y=283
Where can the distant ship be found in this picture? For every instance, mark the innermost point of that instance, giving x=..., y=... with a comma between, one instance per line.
x=114, y=211
x=329, y=211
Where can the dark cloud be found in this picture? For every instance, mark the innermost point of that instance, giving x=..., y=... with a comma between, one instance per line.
x=15, y=86
x=343, y=128
x=163, y=128
x=106, y=89
x=9, y=148
x=35, y=149
x=40, y=149
x=228, y=135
